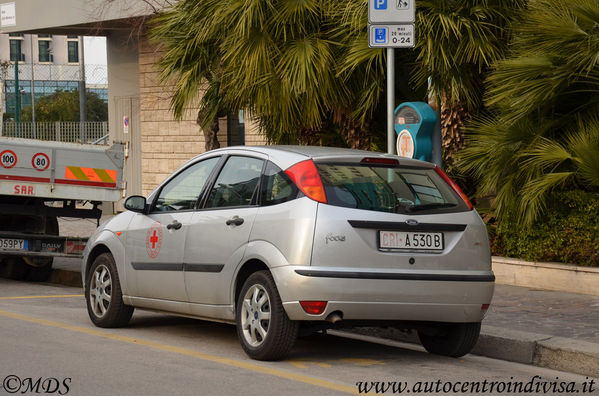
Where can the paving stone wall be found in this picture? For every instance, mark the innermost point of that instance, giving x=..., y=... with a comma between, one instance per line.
x=166, y=143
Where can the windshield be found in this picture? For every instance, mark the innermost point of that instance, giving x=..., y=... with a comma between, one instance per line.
x=388, y=189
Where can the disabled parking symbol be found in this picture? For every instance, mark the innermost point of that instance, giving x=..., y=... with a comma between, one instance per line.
x=380, y=35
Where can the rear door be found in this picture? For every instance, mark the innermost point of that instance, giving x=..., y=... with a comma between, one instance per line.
x=219, y=232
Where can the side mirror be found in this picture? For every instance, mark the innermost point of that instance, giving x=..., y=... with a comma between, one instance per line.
x=136, y=203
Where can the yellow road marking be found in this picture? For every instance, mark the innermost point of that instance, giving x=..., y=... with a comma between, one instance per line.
x=188, y=352
x=362, y=362
x=305, y=363
x=52, y=296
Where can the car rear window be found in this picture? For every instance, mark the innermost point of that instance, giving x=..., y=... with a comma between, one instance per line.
x=388, y=189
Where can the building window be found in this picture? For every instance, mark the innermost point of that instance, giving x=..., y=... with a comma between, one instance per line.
x=15, y=50
x=73, y=51
x=15, y=35
x=44, y=51
x=44, y=36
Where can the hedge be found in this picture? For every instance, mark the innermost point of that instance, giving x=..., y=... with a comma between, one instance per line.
x=568, y=232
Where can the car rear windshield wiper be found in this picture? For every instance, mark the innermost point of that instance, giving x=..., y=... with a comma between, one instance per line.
x=438, y=205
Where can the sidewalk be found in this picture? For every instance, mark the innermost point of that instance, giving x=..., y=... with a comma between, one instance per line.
x=545, y=328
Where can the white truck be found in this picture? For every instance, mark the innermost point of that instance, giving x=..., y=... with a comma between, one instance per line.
x=41, y=181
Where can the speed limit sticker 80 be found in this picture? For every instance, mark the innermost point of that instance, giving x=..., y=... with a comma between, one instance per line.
x=40, y=161
x=8, y=159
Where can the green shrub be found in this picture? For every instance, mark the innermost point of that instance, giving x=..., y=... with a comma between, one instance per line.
x=568, y=232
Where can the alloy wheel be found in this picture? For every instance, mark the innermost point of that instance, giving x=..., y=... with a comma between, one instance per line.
x=100, y=291
x=255, y=315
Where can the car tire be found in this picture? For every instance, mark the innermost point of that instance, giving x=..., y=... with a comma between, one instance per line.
x=103, y=294
x=264, y=329
x=451, y=339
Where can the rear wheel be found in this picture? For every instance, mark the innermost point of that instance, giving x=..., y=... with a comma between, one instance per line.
x=263, y=327
x=13, y=267
x=450, y=339
x=103, y=294
x=40, y=268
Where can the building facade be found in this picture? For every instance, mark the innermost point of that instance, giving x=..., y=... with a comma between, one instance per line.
x=47, y=63
x=158, y=143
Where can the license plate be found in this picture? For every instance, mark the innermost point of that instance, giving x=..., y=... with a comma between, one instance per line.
x=13, y=244
x=400, y=240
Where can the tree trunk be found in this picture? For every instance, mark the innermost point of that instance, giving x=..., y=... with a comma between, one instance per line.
x=356, y=135
x=210, y=134
x=453, y=117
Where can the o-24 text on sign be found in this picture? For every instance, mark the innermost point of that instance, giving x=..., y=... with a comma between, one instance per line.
x=395, y=36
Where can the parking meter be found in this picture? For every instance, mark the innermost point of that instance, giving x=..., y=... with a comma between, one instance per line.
x=414, y=125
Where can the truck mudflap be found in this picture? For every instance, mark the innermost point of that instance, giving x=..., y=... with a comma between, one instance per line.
x=38, y=245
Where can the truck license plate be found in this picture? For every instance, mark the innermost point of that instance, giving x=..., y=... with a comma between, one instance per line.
x=393, y=240
x=13, y=244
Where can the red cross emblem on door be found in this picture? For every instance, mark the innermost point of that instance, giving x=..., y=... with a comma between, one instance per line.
x=154, y=239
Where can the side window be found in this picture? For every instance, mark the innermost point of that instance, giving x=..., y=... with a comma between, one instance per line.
x=183, y=191
x=236, y=183
x=277, y=187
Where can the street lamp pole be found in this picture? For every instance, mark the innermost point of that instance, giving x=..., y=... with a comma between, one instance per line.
x=82, y=96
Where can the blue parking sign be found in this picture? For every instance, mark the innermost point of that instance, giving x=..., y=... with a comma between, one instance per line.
x=380, y=35
x=380, y=4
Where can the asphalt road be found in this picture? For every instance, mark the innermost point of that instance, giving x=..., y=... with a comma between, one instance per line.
x=45, y=334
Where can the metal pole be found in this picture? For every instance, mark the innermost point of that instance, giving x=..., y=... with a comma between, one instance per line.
x=17, y=97
x=33, y=126
x=437, y=156
x=82, y=96
x=390, y=100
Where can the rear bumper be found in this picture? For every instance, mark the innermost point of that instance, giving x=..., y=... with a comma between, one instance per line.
x=440, y=296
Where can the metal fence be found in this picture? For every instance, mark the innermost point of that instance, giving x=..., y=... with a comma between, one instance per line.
x=93, y=132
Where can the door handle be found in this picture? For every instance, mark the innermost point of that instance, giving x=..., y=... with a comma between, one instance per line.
x=236, y=220
x=174, y=225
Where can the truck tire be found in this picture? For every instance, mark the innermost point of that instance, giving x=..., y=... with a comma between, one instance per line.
x=13, y=268
x=40, y=268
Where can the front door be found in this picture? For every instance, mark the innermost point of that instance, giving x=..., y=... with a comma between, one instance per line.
x=156, y=241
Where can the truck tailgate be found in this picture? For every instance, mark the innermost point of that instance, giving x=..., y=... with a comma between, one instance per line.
x=60, y=170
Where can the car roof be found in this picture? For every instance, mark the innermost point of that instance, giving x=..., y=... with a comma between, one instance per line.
x=285, y=156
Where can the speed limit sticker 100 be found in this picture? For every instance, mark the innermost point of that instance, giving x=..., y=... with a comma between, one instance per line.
x=40, y=161
x=8, y=159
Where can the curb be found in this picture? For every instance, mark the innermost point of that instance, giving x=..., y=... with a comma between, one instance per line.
x=558, y=353
x=65, y=278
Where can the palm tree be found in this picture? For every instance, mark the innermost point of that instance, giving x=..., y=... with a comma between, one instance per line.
x=457, y=42
x=544, y=132
x=278, y=59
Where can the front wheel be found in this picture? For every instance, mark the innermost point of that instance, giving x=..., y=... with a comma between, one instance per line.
x=103, y=294
x=450, y=339
x=263, y=327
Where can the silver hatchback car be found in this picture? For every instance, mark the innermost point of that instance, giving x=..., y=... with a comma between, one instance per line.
x=279, y=240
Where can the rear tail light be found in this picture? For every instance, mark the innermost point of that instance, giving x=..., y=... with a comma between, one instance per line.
x=455, y=187
x=314, y=307
x=305, y=176
x=484, y=309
